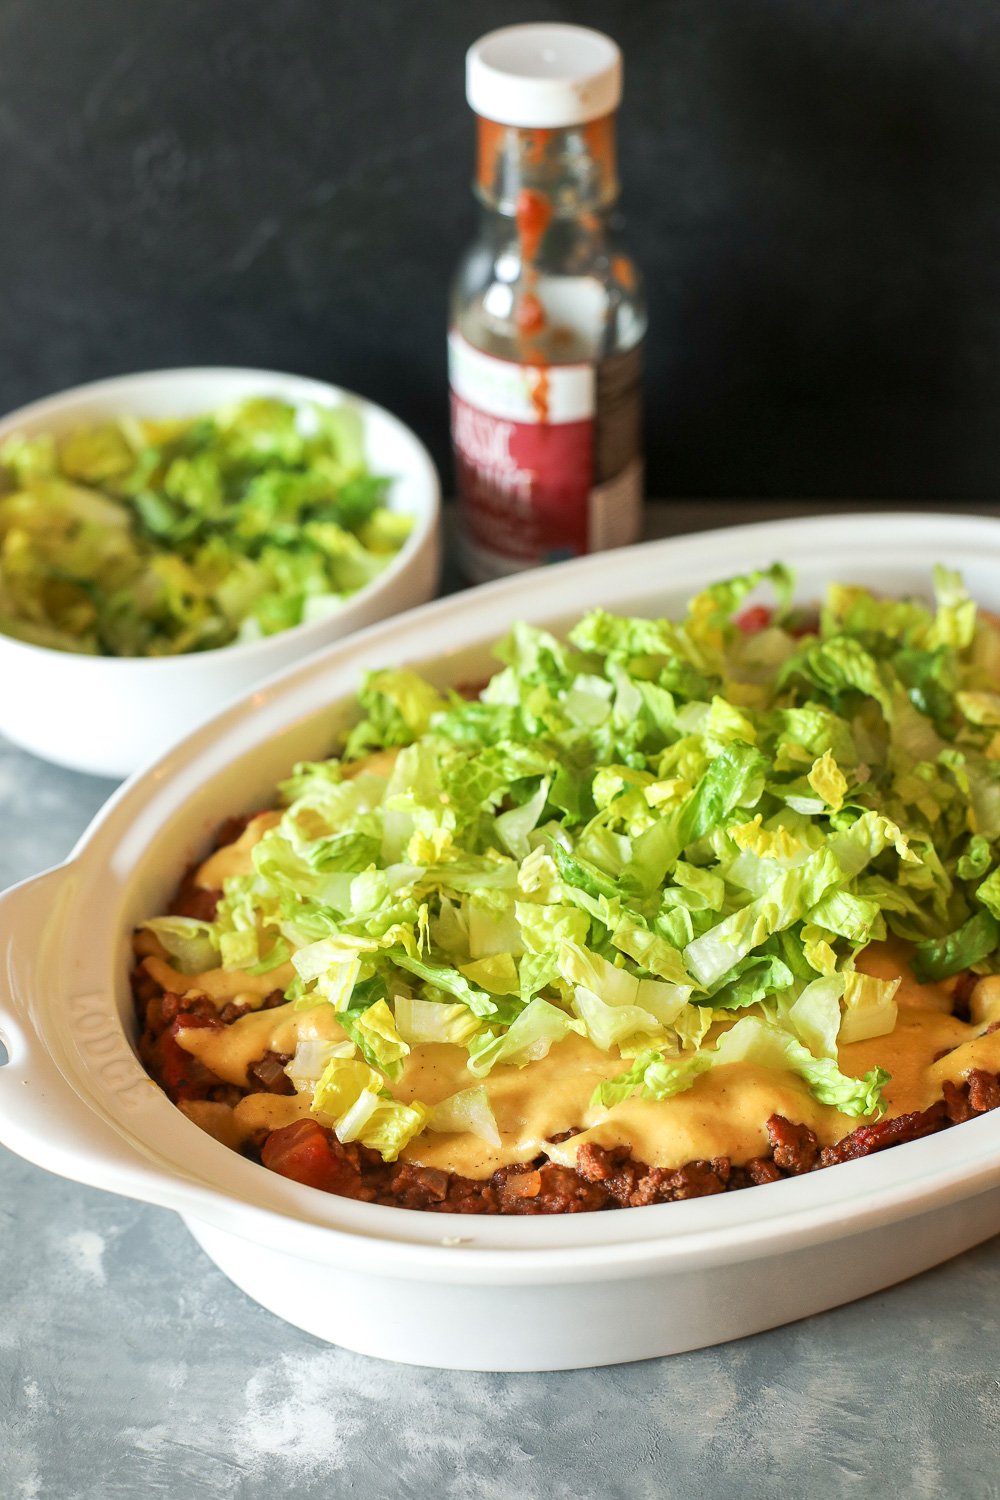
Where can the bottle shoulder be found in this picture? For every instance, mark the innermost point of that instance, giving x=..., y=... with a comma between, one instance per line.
x=583, y=309
x=570, y=249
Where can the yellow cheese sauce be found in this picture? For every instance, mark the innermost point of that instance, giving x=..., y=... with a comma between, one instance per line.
x=235, y=859
x=220, y=985
x=257, y=1112
x=379, y=763
x=269, y=1112
x=979, y=1052
x=217, y=1120
x=229, y=1051
x=723, y=1114
x=985, y=1003
x=530, y=1104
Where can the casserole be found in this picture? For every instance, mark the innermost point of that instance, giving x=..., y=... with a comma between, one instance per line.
x=492, y=1294
x=152, y=700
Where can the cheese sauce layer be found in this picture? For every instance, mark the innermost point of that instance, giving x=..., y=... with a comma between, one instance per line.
x=220, y=985
x=235, y=859
x=723, y=1114
x=228, y=1051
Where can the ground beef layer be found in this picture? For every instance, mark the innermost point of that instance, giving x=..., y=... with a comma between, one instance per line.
x=603, y=1179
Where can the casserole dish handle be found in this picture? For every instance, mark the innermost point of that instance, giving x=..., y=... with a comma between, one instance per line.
x=42, y=1116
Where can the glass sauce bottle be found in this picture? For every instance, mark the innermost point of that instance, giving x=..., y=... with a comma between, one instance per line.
x=547, y=313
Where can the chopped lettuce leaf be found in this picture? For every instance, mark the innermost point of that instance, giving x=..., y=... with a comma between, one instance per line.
x=988, y=893
x=768, y=1046
x=468, y=1111
x=310, y=1059
x=442, y=977
x=515, y=826
x=530, y=1036
x=383, y=1125
x=672, y=838
x=652, y=1076
x=610, y=1026
x=828, y=780
x=955, y=620
x=423, y=1022
x=615, y=985
x=751, y=980
x=869, y=1007
x=373, y=1031
x=341, y=1083
x=398, y=709
x=497, y=974
x=815, y=1016
x=192, y=946
x=968, y=945
x=789, y=898
x=333, y=972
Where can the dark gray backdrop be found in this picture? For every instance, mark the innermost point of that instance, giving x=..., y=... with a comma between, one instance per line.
x=811, y=187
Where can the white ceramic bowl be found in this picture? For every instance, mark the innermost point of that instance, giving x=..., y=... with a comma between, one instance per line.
x=108, y=715
x=479, y=1293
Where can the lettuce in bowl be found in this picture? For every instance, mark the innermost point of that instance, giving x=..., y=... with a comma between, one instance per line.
x=138, y=537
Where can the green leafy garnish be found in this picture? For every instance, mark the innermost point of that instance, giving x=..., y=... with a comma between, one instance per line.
x=665, y=842
x=140, y=538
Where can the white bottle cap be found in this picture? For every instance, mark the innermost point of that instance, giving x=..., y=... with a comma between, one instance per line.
x=543, y=77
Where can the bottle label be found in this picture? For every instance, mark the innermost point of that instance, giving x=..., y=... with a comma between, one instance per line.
x=526, y=441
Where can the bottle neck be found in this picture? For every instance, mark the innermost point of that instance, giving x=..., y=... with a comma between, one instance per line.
x=538, y=175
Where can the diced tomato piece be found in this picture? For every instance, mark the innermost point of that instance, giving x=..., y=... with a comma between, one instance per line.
x=190, y=1020
x=758, y=617
x=192, y=901
x=184, y=1077
x=302, y=1152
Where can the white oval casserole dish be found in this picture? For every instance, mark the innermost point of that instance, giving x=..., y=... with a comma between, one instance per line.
x=458, y=1292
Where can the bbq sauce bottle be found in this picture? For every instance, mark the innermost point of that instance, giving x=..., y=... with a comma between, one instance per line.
x=547, y=311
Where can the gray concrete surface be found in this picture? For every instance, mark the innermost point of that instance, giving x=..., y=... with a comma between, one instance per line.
x=130, y=1367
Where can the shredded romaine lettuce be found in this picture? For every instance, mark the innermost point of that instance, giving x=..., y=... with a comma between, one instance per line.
x=751, y=1040
x=668, y=840
x=192, y=946
x=469, y=1110
x=142, y=538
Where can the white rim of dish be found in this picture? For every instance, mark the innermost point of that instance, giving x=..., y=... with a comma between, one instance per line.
x=213, y=1184
x=308, y=388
